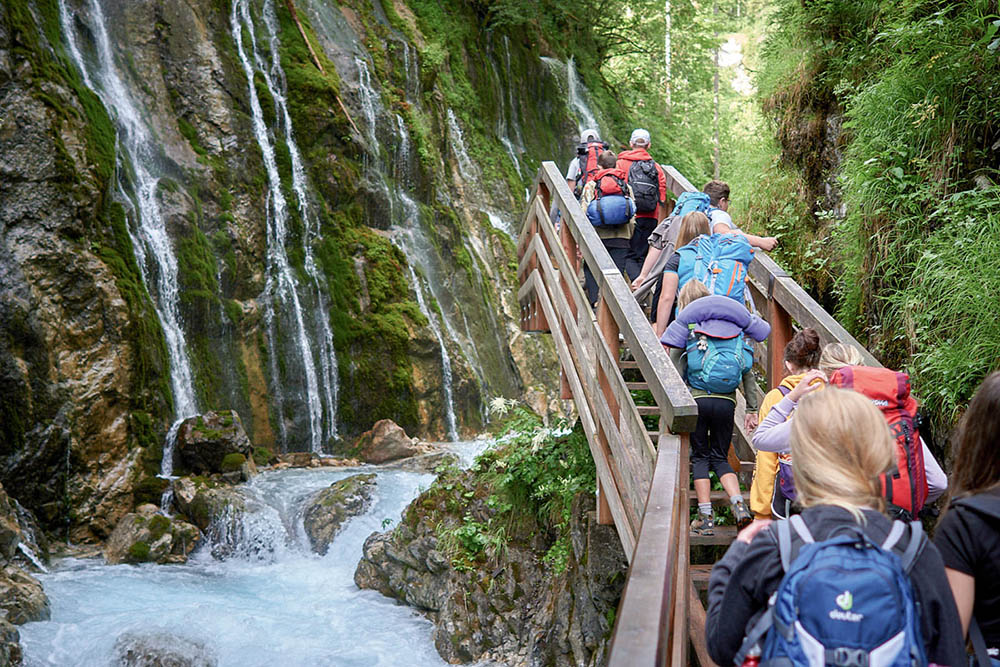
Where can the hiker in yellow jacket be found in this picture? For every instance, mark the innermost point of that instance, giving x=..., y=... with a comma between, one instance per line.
x=801, y=355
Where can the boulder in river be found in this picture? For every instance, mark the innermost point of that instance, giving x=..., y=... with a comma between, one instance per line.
x=22, y=597
x=327, y=510
x=148, y=536
x=386, y=441
x=10, y=646
x=161, y=649
x=215, y=442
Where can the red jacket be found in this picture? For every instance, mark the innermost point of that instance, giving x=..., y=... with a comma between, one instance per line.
x=625, y=160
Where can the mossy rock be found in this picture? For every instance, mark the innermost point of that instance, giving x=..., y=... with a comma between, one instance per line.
x=138, y=553
x=233, y=462
x=262, y=456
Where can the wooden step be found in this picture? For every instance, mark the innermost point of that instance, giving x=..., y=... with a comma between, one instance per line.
x=723, y=535
x=718, y=498
x=700, y=573
x=648, y=410
x=637, y=386
x=627, y=364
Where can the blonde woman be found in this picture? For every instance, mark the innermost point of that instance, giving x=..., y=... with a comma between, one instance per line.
x=773, y=433
x=841, y=444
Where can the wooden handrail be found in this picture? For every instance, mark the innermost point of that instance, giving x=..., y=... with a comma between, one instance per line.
x=642, y=489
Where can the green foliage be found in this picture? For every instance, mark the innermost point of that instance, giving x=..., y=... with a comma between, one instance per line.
x=158, y=526
x=916, y=83
x=262, y=456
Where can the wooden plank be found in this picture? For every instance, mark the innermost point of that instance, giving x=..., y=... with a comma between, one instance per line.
x=682, y=579
x=649, y=594
x=700, y=574
x=696, y=624
x=637, y=386
x=781, y=334
x=723, y=535
x=718, y=498
x=676, y=181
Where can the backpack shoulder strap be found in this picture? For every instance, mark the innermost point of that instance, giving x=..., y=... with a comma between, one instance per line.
x=978, y=644
x=789, y=543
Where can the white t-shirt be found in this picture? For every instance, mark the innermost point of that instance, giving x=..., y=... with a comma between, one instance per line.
x=718, y=216
x=573, y=171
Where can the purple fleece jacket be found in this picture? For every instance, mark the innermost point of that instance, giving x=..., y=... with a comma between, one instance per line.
x=717, y=316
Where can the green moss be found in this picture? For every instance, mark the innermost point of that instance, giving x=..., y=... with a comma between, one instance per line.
x=138, y=552
x=262, y=456
x=149, y=490
x=191, y=134
x=158, y=526
x=233, y=462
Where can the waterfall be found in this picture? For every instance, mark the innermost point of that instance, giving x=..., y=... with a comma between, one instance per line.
x=503, y=126
x=368, y=102
x=324, y=334
x=281, y=285
x=402, y=151
x=138, y=155
x=458, y=145
x=446, y=382
x=576, y=102
x=515, y=113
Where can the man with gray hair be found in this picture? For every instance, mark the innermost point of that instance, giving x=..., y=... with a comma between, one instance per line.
x=649, y=186
x=584, y=165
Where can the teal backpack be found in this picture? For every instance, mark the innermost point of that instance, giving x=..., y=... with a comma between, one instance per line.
x=716, y=365
x=688, y=202
x=718, y=260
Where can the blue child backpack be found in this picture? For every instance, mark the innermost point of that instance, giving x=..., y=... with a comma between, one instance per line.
x=611, y=206
x=715, y=365
x=718, y=260
x=845, y=601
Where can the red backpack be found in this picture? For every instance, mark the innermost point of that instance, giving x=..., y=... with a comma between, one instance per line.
x=906, y=486
x=610, y=181
x=587, y=155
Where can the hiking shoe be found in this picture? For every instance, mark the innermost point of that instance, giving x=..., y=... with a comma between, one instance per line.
x=703, y=525
x=742, y=516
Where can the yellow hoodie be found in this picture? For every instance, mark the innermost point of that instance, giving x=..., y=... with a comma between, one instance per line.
x=766, y=468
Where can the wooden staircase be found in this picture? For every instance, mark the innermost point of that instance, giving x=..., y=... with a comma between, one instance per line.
x=637, y=413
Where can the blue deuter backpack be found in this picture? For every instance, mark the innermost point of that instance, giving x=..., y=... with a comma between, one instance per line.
x=689, y=202
x=844, y=601
x=715, y=365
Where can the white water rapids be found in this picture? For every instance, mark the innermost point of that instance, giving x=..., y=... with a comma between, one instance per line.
x=287, y=607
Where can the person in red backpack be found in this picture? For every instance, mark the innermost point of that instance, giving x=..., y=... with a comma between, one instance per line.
x=968, y=534
x=607, y=181
x=649, y=186
x=584, y=165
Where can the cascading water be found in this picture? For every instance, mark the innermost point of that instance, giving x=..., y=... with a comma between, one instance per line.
x=368, y=101
x=271, y=601
x=324, y=334
x=446, y=375
x=138, y=156
x=458, y=145
x=503, y=125
x=281, y=286
x=576, y=101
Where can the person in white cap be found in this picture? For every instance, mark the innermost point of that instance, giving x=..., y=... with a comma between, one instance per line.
x=584, y=165
x=649, y=186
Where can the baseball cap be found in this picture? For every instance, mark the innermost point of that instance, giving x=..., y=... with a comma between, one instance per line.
x=590, y=134
x=639, y=136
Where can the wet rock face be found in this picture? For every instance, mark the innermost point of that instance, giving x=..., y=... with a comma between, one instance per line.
x=10, y=647
x=386, y=441
x=147, y=536
x=328, y=510
x=512, y=611
x=214, y=442
x=135, y=649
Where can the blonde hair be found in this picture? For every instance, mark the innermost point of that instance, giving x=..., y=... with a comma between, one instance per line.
x=838, y=355
x=693, y=225
x=692, y=290
x=840, y=446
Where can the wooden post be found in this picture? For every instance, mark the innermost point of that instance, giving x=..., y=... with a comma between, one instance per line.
x=781, y=334
x=569, y=245
x=609, y=331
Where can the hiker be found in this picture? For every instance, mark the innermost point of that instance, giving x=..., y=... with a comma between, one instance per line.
x=720, y=261
x=607, y=200
x=582, y=168
x=918, y=478
x=722, y=222
x=649, y=185
x=843, y=595
x=801, y=355
x=968, y=533
x=707, y=342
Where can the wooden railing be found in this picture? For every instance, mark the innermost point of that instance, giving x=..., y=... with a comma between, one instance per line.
x=642, y=488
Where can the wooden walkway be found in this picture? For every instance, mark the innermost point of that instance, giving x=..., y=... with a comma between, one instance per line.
x=642, y=474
